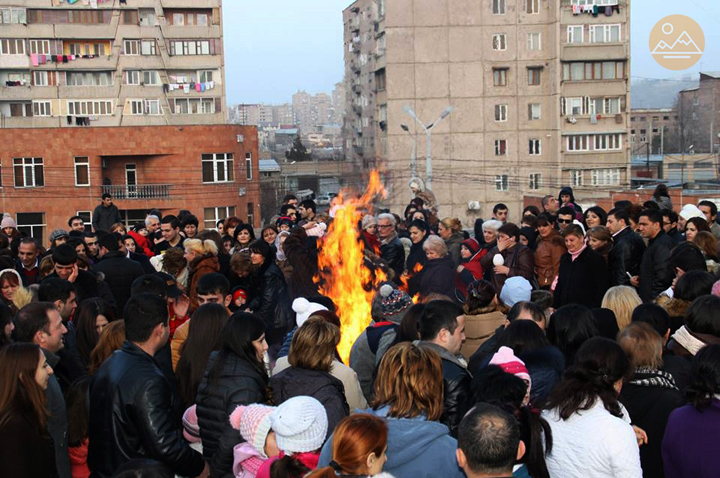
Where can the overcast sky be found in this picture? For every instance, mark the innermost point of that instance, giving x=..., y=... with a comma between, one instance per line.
x=274, y=48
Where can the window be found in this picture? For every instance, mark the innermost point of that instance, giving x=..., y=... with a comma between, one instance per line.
x=248, y=166
x=501, y=182
x=534, y=111
x=608, y=142
x=498, y=7
x=187, y=47
x=214, y=214
x=32, y=224
x=578, y=142
x=130, y=17
x=500, y=76
x=132, y=77
x=194, y=106
x=500, y=147
x=178, y=19
x=605, y=177
x=606, y=70
x=205, y=76
x=12, y=46
x=89, y=78
x=82, y=171
x=501, y=112
x=380, y=79
x=147, y=17
x=575, y=106
x=21, y=109
x=533, y=41
x=152, y=107
x=42, y=108
x=217, y=168
x=151, y=77
x=612, y=106
x=40, y=47
x=90, y=107
x=28, y=172
x=532, y=6
x=148, y=47
x=535, y=180
x=250, y=213
x=13, y=15
x=89, y=49
x=499, y=42
x=595, y=2
x=534, y=147
x=534, y=76
x=575, y=34
x=136, y=107
x=131, y=47
x=40, y=78
x=605, y=34
x=576, y=177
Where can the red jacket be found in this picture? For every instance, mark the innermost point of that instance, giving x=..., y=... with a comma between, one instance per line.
x=143, y=243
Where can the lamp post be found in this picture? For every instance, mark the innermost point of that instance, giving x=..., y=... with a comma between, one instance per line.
x=413, y=158
x=428, y=137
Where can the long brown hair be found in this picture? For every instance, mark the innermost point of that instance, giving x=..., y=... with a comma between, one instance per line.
x=111, y=339
x=19, y=392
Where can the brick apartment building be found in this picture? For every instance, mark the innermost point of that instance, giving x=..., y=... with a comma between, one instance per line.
x=123, y=97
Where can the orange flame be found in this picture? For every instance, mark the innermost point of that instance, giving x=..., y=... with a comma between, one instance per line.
x=405, y=278
x=343, y=275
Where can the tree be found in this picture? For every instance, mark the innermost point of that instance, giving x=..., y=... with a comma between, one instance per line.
x=298, y=152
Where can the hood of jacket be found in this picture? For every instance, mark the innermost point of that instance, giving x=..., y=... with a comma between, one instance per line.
x=674, y=307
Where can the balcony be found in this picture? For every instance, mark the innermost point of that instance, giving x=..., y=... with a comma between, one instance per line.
x=139, y=191
x=594, y=51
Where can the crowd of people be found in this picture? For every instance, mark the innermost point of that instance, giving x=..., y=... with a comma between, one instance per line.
x=560, y=343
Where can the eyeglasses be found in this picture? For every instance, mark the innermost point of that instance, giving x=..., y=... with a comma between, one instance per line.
x=385, y=225
x=565, y=221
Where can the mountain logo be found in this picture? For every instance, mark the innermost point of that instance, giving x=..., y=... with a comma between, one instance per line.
x=677, y=42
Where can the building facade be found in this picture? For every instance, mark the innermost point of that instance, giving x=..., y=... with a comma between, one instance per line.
x=698, y=111
x=654, y=131
x=539, y=92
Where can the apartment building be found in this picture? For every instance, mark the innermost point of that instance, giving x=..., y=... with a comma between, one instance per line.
x=698, y=112
x=121, y=97
x=653, y=130
x=539, y=91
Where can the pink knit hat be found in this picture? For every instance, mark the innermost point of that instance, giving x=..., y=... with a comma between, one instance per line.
x=191, y=430
x=253, y=422
x=716, y=289
x=505, y=359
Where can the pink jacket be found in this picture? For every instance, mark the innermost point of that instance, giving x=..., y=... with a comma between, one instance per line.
x=247, y=461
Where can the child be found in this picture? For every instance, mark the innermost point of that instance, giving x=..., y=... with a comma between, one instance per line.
x=239, y=298
x=253, y=422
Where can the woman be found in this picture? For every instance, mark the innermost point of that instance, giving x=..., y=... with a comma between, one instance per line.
x=595, y=216
x=695, y=225
x=583, y=277
x=528, y=235
x=688, y=287
x=268, y=234
x=280, y=258
x=231, y=223
x=469, y=269
x=701, y=328
x=567, y=198
x=439, y=272
x=223, y=255
x=651, y=394
x=9, y=227
x=111, y=339
x=689, y=446
x=130, y=244
x=622, y=300
x=709, y=246
x=201, y=257
x=409, y=396
x=550, y=248
x=661, y=196
x=591, y=431
x=91, y=318
x=27, y=448
x=220, y=227
x=600, y=240
x=368, y=227
x=6, y=325
x=484, y=319
x=235, y=375
x=311, y=359
x=450, y=230
x=14, y=295
x=76, y=400
x=570, y=327
x=174, y=263
x=359, y=447
x=244, y=236
x=189, y=226
x=419, y=231
x=517, y=260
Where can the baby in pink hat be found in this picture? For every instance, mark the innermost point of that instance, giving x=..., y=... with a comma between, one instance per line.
x=254, y=424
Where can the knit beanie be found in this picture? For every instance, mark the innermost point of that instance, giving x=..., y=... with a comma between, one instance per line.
x=304, y=309
x=300, y=425
x=368, y=221
x=472, y=244
x=505, y=359
x=394, y=303
x=57, y=234
x=7, y=221
x=516, y=289
x=689, y=211
x=253, y=422
x=716, y=289
x=191, y=430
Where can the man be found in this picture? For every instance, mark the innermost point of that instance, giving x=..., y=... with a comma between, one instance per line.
x=565, y=217
x=489, y=443
x=40, y=323
x=132, y=405
x=391, y=249
x=670, y=223
x=307, y=211
x=500, y=213
x=550, y=204
x=518, y=259
x=628, y=249
x=288, y=210
x=710, y=210
x=120, y=272
x=76, y=223
x=28, y=261
x=655, y=274
x=170, y=229
x=105, y=214
x=290, y=199
x=91, y=241
x=442, y=329
x=65, y=259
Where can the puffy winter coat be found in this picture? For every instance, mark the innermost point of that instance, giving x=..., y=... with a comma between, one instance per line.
x=625, y=256
x=438, y=277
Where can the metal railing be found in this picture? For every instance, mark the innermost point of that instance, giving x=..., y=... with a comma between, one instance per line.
x=139, y=191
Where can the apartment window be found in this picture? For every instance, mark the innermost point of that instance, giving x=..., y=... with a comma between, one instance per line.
x=90, y=107
x=89, y=78
x=152, y=107
x=12, y=46
x=501, y=112
x=250, y=213
x=575, y=34
x=574, y=106
x=606, y=177
x=42, y=108
x=533, y=41
x=131, y=47
x=217, y=168
x=147, y=17
x=578, y=142
x=32, y=224
x=205, y=76
x=28, y=172
x=178, y=19
x=666, y=118
x=612, y=106
x=187, y=47
x=534, y=147
x=499, y=42
x=498, y=7
x=500, y=76
x=605, y=34
x=132, y=77
x=248, y=166
x=500, y=147
x=501, y=182
x=193, y=106
x=214, y=214
x=130, y=17
x=535, y=180
x=148, y=47
x=532, y=6
x=13, y=15
x=88, y=49
x=151, y=77
x=595, y=106
x=82, y=171
x=87, y=16
x=606, y=70
x=40, y=78
x=608, y=142
x=577, y=178
x=40, y=47
x=21, y=109
x=380, y=79
x=136, y=107
x=534, y=111
x=534, y=75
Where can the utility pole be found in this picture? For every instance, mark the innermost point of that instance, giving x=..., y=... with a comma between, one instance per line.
x=428, y=137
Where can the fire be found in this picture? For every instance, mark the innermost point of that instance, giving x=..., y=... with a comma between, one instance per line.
x=343, y=275
x=407, y=276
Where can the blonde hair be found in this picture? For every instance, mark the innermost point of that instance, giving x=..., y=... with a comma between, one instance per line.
x=642, y=344
x=313, y=345
x=201, y=247
x=452, y=223
x=436, y=244
x=622, y=300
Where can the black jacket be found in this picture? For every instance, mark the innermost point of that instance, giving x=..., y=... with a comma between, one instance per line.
x=238, y=383
x=271, y=301
x=26, y=451
x=394, y=254
x=104, y=217
x=134, y=414
x=120, y=273
x=583, y=281
x=625, y=256
x=416, y=256
x=326, y=389
x=144, y=262
x=57, y=422
x=86, y=285
x=656, y=274
x=438, y=277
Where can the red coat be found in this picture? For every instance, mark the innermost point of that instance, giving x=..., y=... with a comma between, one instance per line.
x=143, y=243
x=472, y=271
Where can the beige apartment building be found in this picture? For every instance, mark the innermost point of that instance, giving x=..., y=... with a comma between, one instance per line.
x=539, y=92
x=111, y=63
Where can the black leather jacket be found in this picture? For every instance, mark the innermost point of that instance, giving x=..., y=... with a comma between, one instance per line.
x=625, y=256
x=271, y=301
x=134, y=414
x=393, y=253
x=656, y=275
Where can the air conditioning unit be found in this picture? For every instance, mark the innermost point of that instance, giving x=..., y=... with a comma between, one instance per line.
x=242, y=192
x=474, y=205
x=571, y=120
x=240, y=138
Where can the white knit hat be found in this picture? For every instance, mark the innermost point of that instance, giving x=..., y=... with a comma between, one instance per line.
x=690, y=211
x=300, y=425
x=304, y=309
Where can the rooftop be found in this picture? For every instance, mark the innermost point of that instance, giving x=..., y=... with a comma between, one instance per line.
x=269, y=166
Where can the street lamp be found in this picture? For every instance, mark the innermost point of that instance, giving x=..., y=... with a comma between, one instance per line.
x=428, y=133
x=413, y=158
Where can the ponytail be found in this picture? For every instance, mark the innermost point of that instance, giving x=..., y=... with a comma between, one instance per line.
x=537, y=429
x=327, y=472
x=288, y=467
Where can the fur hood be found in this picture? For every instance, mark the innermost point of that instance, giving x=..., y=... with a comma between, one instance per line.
x=674, y=307
x=481, y=310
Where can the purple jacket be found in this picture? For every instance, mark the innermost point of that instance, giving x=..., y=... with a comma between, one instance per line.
x=689, y=448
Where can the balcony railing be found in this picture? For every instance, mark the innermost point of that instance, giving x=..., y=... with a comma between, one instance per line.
x=139, y=191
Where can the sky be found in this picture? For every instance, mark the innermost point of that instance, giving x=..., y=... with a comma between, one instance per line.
x=274, y=48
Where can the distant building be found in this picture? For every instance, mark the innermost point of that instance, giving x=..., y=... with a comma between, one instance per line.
x=699, y=114
x=653, y=130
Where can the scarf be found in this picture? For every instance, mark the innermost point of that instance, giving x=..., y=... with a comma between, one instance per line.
x=688, y=341
x=648, y=377
x=577, y=253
